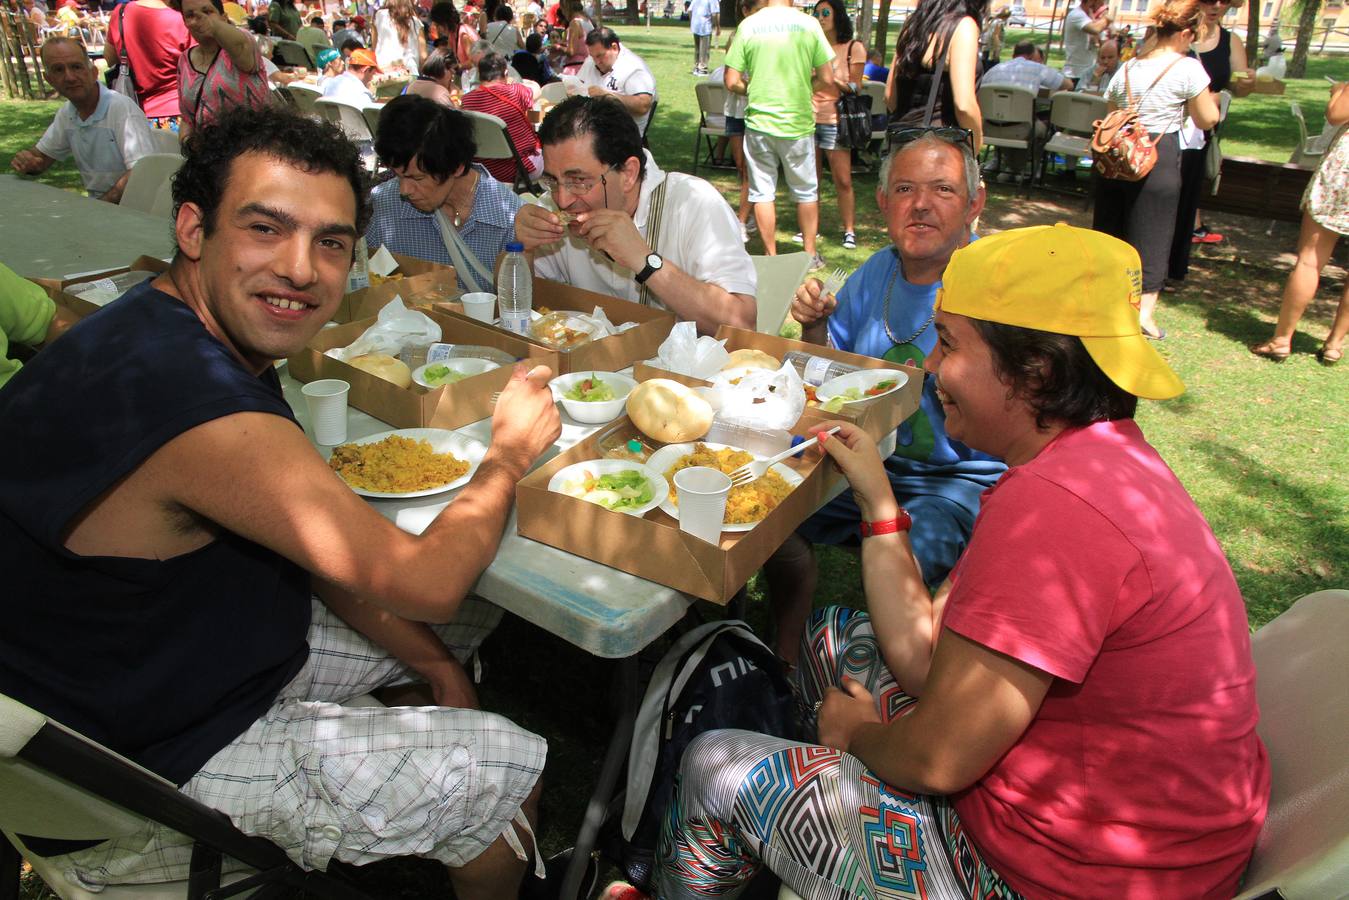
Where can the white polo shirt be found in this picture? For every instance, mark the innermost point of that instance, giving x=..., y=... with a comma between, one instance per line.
x=698, y=233
x=105, y=145
x=347, y=88
x=630, y=75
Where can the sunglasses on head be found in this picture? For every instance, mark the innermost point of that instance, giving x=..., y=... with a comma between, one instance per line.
x=951, y=135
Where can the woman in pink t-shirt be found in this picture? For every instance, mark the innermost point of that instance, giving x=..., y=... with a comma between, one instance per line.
x=154, y=37
x=1073, y=714
x=222, y=71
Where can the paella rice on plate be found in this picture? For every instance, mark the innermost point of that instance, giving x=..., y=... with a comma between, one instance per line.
x=745, y=504
x=396, y=465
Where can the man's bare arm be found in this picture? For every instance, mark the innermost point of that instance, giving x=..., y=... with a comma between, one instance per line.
x=31, y=161
x=114, y=193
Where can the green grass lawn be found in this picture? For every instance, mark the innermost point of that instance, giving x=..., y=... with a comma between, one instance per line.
x=1261, y=447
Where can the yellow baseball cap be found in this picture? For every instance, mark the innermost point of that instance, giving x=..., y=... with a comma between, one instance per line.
x=1063, y=280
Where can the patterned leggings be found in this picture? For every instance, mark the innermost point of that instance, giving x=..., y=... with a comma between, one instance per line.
x=825, y=825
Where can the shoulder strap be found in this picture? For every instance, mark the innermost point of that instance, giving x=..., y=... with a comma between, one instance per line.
x=1160, y=76
x=653, y=223
x=466, y=264
x=932, y=92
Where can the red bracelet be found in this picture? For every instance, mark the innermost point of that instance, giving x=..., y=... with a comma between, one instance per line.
x=901, y=522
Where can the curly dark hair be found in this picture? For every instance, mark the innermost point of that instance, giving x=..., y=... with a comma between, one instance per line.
x=1056, y=376
x=440, y=137
x=614, y=137
x=843, y=31
x=311, y=146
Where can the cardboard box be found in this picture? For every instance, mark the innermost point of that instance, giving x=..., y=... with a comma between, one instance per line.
x=56, y=287
x=422, y=284
x=878, y=417
x=1268, y=87
x=607, y=354
x=449, y=406
x=653, y=547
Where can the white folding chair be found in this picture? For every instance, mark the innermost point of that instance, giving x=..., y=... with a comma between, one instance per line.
x=371, y=115
x=305, y=96
x=1309, y=150
x=292, y=53
x=150, y=186
x=1009, y=118
x=63, y=792
x=1072, y=115
x=1301, y=659
x=711, y=120
x=165, y=141
x=554, y=92
x=494, y=142
x=778, y=277
x=876, y=91
x=349, y=118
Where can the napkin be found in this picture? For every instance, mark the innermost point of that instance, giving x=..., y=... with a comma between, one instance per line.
x=685, y=353
x=382, y=263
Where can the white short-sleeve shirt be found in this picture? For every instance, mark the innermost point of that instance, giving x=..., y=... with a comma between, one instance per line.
x=105, y=145
x=1161, y=109
x=1024, y=73
x=630, y=75
x=1078, y=57
x=698, y=233
x=348, y=89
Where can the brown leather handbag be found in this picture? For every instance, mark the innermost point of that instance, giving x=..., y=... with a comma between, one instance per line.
x=1121, y=147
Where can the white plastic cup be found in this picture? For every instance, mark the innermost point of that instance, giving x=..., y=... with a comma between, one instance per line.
x=480, y=306
x=327, y=400
x=702, y=501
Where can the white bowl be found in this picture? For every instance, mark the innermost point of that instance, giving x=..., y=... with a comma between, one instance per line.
x=593, y=412
x=466, y=366
x=863, y=380
x=660, y=489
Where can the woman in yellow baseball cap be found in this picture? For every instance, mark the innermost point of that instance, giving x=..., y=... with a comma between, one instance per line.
x=1073, y=713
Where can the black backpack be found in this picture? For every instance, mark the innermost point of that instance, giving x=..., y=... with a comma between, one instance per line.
x=719, y=675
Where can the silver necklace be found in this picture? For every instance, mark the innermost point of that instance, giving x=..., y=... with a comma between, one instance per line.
x=885, y=313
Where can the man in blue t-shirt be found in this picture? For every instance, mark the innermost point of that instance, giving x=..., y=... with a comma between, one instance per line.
x=930, y=195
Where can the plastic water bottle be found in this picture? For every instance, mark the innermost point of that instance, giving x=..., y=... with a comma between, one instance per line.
x=515, y=290
x=816, y=370
x=358, y=278
x=748, y=436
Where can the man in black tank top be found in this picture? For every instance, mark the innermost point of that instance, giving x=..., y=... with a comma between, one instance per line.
x=164, y=531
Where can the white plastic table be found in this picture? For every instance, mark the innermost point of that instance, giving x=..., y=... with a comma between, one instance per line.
x=46, y=232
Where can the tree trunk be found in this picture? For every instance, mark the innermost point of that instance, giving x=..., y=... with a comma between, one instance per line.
x=634, y=14
x=1253, y=33
x=864, y=23
x=882, y=26
x=1306, y=24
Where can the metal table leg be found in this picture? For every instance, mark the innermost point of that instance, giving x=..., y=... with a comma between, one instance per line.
x=615, y=758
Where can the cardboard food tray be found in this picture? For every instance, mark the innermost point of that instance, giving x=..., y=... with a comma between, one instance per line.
x=879, y=417
x=449, y=406
x=56, y=287
x=652, y=546
x=609, y=354
x=1268, y=87
x=422, y=283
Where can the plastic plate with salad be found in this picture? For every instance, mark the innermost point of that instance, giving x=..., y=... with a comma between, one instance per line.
x=615, y=484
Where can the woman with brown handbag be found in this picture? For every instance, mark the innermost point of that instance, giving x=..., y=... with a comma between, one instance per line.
x=1162, y=85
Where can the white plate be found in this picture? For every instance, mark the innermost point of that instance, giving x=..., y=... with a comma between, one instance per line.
x=442, y=441
x=863, y=379
x=659, y=488
x=468, y=366
x=670, y=454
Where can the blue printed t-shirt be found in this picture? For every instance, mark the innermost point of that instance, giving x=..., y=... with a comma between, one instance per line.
x=925, y=455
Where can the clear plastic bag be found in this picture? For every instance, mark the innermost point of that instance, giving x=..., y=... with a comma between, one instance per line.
x=685, y=353
x=762, y=398
x=396, y=327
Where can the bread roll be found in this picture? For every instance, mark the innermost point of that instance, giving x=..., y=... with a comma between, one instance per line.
x=384, y=366
x=752, y=359
x=669, y=412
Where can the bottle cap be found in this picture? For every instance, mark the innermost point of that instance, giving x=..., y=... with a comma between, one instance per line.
x=634, y=445
x=515, y=247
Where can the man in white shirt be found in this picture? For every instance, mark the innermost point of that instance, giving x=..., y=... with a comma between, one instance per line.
x=1087, y=20
x=353, y=85
x=105, y=131
x=602, y=232
x=616, y=71
x=1026, y=69
x=704, y=18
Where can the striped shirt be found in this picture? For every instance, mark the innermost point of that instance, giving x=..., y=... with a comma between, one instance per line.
x=402, y=228
x=510, y=103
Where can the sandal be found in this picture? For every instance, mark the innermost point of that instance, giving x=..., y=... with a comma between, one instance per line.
x=1271, y=350
x=1158, y=335
x=1328, y=357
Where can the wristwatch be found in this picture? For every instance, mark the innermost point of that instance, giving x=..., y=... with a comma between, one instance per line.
x=653, y=264
x=901, y=522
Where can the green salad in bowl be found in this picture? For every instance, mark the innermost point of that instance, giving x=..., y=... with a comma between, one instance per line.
x=590, y=390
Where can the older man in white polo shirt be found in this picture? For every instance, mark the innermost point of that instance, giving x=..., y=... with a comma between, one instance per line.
x=616, y=71
x=103, y=130
x=619, y=225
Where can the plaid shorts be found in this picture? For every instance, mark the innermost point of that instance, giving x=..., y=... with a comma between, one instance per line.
x=357, y=784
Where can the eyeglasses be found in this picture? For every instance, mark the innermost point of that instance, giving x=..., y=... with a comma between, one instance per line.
x=823, y=12
x=951, y=135
x=1212, y=2
x=574, y=184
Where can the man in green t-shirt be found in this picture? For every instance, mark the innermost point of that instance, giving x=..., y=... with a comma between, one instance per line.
x=778, y=57
x=27, y=316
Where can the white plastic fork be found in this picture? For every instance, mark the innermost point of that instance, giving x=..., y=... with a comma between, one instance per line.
x=833, y=282
x=756, y=469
